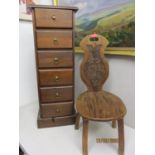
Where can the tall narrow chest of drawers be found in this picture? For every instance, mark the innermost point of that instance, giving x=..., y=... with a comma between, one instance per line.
x=54, y=51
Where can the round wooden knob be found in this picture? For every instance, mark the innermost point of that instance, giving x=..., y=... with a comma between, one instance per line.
x=57, y=110
x=53, y=17
x=57, y=78
x=56, y=60
x=55, y=39
x=57, y=94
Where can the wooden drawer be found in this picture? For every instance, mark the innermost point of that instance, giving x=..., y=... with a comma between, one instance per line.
x=56, y=94
x=57, y=109
x=53, y=18
x=56, y=77
x=54, y=39
x=55, y=121
x=55, y=59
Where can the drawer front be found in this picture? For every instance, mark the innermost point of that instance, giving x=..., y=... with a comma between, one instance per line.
x=56, y=121
x=55, y=59
x=56, y=77
x=57, y=109
x=54, y=39
x=53, y=18
x=56, y=94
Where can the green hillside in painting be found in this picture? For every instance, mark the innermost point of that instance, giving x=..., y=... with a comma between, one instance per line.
x=116, y=24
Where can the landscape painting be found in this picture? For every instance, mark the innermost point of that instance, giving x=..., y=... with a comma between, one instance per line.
x=114, y=19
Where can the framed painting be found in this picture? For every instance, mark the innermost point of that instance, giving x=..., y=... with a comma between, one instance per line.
x=114, y=19
x=24, y=12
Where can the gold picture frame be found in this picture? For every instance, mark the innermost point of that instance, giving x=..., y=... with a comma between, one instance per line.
x=114, y=51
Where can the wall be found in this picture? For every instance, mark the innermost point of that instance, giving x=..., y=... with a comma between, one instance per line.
x=120, y=82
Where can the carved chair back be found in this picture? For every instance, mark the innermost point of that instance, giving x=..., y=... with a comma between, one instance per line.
x=94, y=69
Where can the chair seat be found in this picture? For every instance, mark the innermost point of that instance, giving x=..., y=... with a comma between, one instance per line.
x=100, y=106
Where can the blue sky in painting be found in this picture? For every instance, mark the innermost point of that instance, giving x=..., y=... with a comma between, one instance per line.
x=90, y=6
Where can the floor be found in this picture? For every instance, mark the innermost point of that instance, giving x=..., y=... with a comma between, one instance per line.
x=65, y=140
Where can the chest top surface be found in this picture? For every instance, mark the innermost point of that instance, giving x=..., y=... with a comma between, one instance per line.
x=53, y=7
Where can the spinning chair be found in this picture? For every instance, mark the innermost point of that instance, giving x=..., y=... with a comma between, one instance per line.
x=95, y=104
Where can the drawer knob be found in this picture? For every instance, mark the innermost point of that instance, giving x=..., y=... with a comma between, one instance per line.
x=56, y=60
x=53, y=119
x=57, y=110
x=57, y=78
x=57, y=94
x=53, y=17
x=55, y=40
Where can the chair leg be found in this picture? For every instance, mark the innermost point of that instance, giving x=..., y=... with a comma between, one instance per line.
x=85, y=137
x=114, y=124
x=77, y=121
x=121, y=136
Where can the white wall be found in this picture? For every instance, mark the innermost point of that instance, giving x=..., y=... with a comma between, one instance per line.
x=120, y=82
x=27, y=72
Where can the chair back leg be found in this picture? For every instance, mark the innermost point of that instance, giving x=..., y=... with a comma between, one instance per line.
x=114, y=124
x=85, y=137
x=121, y=137
x=77, y=121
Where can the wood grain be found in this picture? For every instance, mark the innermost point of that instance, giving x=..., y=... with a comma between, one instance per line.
x=57, y=77
x=56, y=94
x=53, y=18
x=55, y=121
x=100, y=106
x=96, y=104
x=114, y=124
x=47, y=39
x=94, y=69
x=34, y=6
x=77, y=121
x=55, y=59
x=121, y=136
x=57, y=109
x=53, y=29
x=85, y=137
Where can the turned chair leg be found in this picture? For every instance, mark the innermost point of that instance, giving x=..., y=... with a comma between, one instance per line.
x=85, y=137
x=121, y=136
x=114, y=124
x=77, y=121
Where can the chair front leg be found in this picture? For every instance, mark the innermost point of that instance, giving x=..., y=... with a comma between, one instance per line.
x=121, y=136
x=77, y=121
x=85, y=137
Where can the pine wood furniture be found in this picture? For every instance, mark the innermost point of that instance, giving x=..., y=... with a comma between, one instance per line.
x=95, y=104
x=54, y=51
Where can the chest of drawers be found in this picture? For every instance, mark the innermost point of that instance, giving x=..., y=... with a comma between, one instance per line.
x=54, y=51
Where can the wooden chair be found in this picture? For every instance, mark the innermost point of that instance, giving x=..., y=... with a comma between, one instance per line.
x=95, y=104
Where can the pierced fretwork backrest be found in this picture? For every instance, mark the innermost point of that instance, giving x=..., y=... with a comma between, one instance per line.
x=94, y=68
